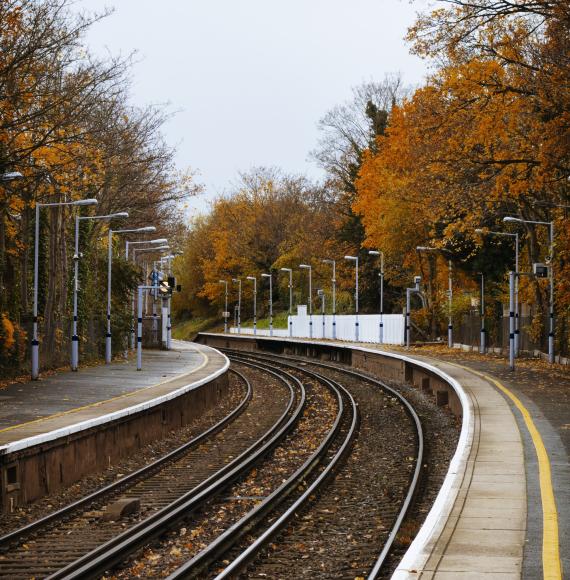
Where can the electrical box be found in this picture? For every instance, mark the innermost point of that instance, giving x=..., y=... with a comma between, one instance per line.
x=540, y=270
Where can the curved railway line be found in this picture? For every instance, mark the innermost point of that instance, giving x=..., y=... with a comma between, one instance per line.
x=311, y=475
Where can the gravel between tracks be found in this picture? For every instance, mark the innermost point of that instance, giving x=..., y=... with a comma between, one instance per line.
x=147, y=454
x=441, y=434
x=180, y=545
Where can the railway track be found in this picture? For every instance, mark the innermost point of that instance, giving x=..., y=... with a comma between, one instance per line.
x=310, y=497
x=272, y=540
x=55, y=545
x=368, y=548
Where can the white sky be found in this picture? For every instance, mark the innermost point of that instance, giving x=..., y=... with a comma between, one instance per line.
x=249, y=79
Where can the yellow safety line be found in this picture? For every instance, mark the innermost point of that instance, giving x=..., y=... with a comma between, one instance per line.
x=98, y=403
x=551, y=565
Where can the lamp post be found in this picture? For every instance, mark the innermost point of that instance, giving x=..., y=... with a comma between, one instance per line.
x=381, y=326
x=238, y=281
x=355, y=260
x=551, y=277
x=333, y=263
x=226, y=314
x=35, y=340
x=308, y=267
x=321, y=293
x=109, y=267
x=254, y=279
x=449, y=293
x=169, y=259
x=270, y=302
x=517, y=270
x=133, y=296
x=290, y=298
x=482, y=346
x=76, y=257
x=409, y=291
x=135, y=252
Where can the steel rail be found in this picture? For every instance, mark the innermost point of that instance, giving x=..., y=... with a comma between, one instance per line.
x=380, y=560
x=131, y=479
x=116, y=550
x=197, y=565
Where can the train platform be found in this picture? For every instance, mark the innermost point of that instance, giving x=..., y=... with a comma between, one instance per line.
x=66, y=402
x=538, y=396
x=503, y=511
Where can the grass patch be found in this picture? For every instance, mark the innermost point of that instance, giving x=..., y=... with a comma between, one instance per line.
x=188, y=329
x=279, y=321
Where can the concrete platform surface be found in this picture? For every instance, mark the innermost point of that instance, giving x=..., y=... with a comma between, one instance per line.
x=37, y=411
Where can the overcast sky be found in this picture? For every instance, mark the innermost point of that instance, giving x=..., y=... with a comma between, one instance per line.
x=249, y=79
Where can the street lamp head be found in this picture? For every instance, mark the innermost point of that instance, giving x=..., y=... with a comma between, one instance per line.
x=512, y=219
x=86, y=202
x=424, y=249
x=10, y=176
x=306, y=266
x=159, y=249
x=354, y=258
x=479, y=231
x=146, y=229
x=121, y=214
x=251, y=278
x=157, y=241
x=266, y=275
x=222, y=281
x=373, y=252
x=285, y=269
x=236, y=280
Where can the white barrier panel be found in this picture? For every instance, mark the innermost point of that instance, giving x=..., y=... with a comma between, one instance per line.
x=368, y=328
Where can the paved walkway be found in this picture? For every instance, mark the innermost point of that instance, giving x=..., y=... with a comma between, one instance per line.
x=544, y=391
x=68, y=398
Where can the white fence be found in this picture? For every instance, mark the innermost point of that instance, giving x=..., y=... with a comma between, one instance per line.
x=322, y=327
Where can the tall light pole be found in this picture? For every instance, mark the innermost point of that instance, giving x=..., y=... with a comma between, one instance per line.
x=35, y=339
x=226, y=314
x=134, y=293
x=238, y=281
x=333, y=263
x=168, y=260
x=517, y=270
x=254, y=279
x=290, y=298
x=76, y=257
x=308, y=267
x=270, y=277
x=381, y=326
x=482, y=346
x=449, y=293
x=355, y=260
x=409, y=291
x=551, y=277
x=109, y=268
x=135, y=252
x=321, y=293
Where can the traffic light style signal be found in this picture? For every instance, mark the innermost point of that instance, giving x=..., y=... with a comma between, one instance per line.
x=165, y=289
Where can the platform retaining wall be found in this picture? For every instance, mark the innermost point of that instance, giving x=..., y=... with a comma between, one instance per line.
x=43, y=469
